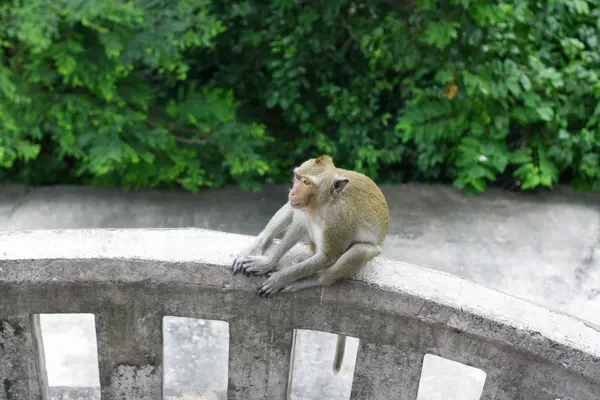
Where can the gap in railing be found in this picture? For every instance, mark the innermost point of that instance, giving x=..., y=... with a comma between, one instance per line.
x=312, y=376
x=444, y=379
x=71, y=353
x=195, y=358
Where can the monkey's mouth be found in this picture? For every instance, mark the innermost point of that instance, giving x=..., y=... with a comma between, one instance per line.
x=295, y=204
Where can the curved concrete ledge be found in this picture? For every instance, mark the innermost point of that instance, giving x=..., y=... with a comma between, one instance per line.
x=131, y=278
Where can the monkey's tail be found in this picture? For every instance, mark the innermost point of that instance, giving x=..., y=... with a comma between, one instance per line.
x=339, y=353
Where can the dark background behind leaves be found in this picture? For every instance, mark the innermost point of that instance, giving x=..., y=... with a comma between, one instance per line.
x=193, y=94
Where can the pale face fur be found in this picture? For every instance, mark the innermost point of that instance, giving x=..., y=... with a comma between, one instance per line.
x=312, y=180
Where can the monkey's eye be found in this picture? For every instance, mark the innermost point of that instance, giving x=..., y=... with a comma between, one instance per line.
x=306, y=182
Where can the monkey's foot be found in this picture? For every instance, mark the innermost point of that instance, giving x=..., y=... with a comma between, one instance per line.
x=304, y=283
x=257, y=265
x=270, y=286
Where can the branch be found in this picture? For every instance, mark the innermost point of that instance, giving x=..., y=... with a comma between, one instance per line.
x=174, y=126
x=189, y=141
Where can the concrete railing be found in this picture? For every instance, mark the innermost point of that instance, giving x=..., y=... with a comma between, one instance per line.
x=130, y=279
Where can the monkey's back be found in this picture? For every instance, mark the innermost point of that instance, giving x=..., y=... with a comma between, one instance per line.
x=369, y=203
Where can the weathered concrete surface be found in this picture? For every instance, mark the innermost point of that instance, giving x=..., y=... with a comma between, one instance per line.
x=20, y=339
x=543, y=248
x=525, y=348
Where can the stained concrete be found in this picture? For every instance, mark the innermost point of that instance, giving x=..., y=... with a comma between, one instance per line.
x=526, y=348
x=543, y=248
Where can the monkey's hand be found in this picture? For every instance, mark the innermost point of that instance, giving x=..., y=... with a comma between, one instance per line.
x=238, y=261
x=271, y=285
x=257, y=265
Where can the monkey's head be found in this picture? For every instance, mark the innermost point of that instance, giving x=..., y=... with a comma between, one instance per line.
x=315, y=181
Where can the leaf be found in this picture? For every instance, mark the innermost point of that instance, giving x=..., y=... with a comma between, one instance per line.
x=441, y=34
x=581, y=7
x=531, y=181
x=572, y=47
x=478, y=184
x=444, y=76
x=27, y=150
x=545, y=113
x=308, y=18
x=172, y=109
x=548, y=171
x=594, y=117
x=521, y=156
x=479, y=171
x=513, y=86
x=525, y=82
x=500, y=127
x=528, y=176
x=66, y=64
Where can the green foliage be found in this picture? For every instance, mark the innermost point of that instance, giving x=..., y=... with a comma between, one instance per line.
x=527, y=99
x=99, y=92
x=202, y=93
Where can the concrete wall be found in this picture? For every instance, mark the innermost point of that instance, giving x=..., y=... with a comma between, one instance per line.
x=131, y=279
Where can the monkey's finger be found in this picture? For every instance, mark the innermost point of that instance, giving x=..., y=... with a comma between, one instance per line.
x=237, y=265
x=266, y=290
x=254, y=270
x=263, y=292
x=249, y=266
x=244, y=264
x=245, y=270
x=250, y=259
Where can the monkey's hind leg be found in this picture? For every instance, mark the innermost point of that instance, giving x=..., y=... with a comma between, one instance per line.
x=350, y=262
x=346, y=266
x=304, y=283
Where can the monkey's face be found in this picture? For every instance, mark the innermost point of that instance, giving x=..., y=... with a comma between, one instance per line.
x=302, y=192
x=309, y=189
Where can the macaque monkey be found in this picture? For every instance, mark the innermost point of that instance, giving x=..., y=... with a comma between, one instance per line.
x=342, y=214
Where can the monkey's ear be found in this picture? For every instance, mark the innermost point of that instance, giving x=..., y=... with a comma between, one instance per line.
x=338, y=185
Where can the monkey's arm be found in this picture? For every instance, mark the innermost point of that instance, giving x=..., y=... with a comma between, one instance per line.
x=278, y=222
x=274, y=227
x=261, y=264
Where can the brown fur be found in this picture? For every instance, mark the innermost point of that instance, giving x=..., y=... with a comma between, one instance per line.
x=313, y=246
x=360, y=203
x=344, y=216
